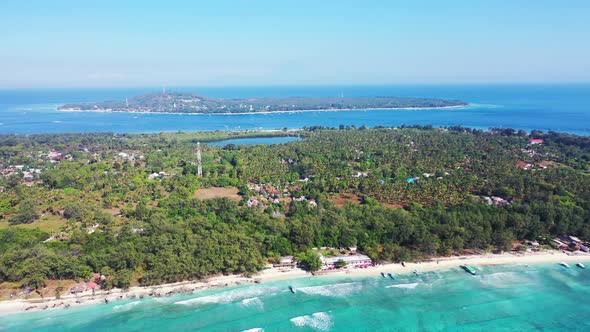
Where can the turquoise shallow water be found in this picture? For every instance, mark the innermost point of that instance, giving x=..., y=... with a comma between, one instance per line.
x=505, y=298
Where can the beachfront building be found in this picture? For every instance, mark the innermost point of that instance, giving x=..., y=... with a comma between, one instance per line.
x=286, y=261
x=356, y=260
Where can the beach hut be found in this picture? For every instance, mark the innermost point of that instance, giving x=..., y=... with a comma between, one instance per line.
x=79, y=288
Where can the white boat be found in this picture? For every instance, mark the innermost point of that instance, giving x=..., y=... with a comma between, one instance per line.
x=564, y=264
x=581, y=266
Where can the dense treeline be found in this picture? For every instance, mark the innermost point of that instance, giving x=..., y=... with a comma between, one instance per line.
x=113, y=219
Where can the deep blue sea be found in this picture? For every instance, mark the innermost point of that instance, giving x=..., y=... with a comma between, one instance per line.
x=501, y=298
x=564, y=108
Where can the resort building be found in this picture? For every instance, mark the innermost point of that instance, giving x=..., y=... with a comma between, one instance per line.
x=286, y=261
x=355, y=260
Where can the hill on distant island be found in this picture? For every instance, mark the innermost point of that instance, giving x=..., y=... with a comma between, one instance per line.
x=177, y=102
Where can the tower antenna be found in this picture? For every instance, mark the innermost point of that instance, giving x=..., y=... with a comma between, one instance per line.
x=199, y=162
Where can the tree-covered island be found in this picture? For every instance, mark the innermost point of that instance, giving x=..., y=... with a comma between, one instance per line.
x=176, y=102
x=134, y=209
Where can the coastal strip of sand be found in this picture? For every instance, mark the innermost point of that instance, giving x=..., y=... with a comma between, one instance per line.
x=272, y=112
x=275, y=274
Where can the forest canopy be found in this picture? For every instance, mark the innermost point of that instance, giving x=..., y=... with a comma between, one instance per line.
x=129, y=206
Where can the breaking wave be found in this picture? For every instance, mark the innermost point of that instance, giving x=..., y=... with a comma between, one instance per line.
x=335, y=290
x=230, y=296
x=126, y=306
x=406, y=286
x=253, y=302
x=319, y=320
x=503, y=279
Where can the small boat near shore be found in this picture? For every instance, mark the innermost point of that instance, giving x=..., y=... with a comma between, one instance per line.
x=391, y=275
x=581, y=266
x=564, y=264
x=469, y=269
x=383, y=275
x=292, y=289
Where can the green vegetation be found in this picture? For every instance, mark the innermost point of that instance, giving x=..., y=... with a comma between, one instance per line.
x=96, y=206
x=175, y=102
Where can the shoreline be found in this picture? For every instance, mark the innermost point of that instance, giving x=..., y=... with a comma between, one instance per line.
x=9, y=307
x=270, y=112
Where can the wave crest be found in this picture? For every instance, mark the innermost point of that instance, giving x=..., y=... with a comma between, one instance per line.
x=406, y=286
x=319, y=320
x=230, y=296
x=335, y=290
x=126, y=306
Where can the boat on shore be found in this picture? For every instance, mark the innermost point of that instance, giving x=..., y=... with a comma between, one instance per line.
x=581, y=266
x=564, y=264
x=469, y=269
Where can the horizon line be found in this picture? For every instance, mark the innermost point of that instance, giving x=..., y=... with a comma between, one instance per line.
x=182, y=86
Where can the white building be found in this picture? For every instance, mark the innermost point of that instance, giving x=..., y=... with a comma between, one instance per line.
x=350, y=260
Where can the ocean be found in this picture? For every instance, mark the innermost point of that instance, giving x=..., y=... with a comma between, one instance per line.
x=499, y=298
x=563, y=108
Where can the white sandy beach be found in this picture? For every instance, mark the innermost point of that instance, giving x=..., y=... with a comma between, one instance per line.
x=275, y=274
x=272, y=112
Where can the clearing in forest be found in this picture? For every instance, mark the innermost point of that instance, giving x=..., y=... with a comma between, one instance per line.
x=340, y=200
x=216, y=192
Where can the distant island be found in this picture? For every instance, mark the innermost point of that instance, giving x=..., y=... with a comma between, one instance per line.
x=178, y=102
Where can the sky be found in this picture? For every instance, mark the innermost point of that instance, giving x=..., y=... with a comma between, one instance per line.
x=129, y=43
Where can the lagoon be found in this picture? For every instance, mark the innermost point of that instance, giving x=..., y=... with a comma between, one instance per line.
x=254, y=141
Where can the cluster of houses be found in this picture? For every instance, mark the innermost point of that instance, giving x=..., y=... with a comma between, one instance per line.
x=124, y=156
x=28, y=174
x=528, y=166
x=265, y=194
x=494, y=200
x=54, y=156
x=159, y=175
x=571, y=243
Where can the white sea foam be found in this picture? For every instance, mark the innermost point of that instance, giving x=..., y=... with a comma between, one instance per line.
x=407, y=286
x=335, y=290
x=127, y=306
x=319, y=320
x=256, y=329
x=503, y=279
x=253, y=302
x=230, y=296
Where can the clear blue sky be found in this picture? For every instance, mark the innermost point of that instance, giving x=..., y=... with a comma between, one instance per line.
x=61, y=43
